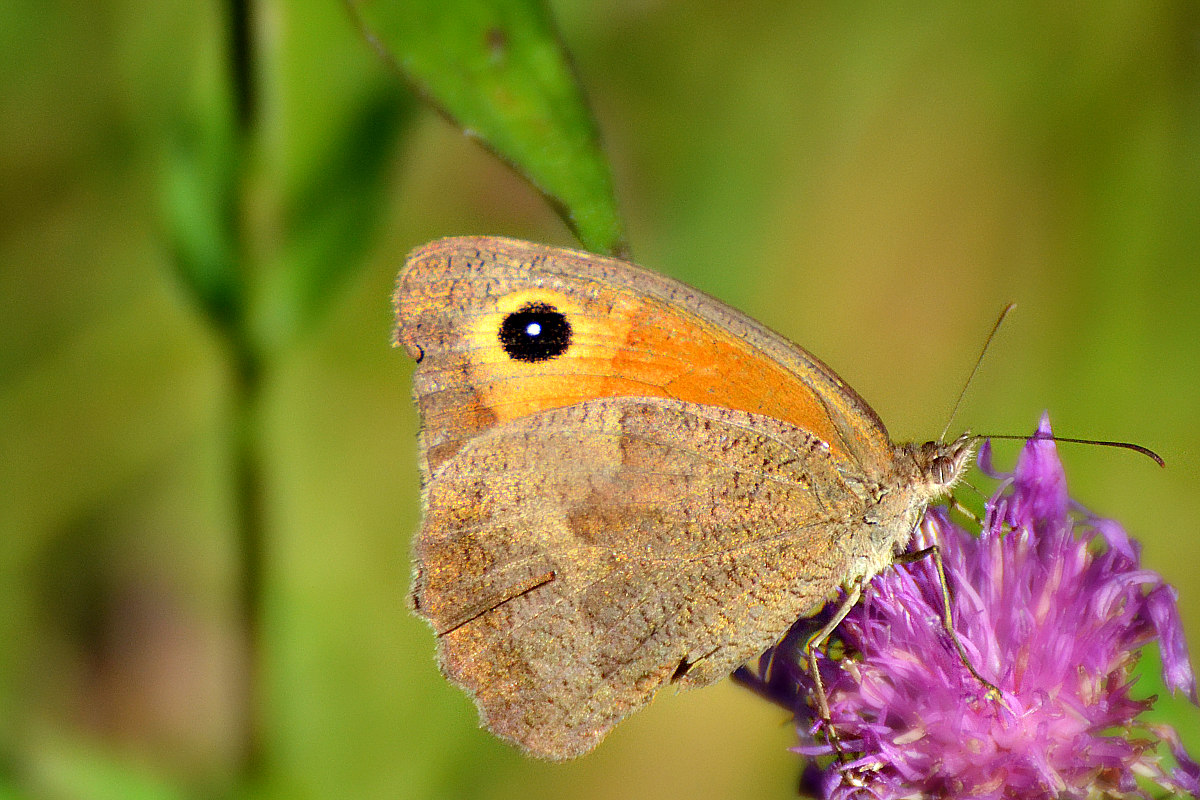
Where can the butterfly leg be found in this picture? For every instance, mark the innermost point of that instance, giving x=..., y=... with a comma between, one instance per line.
x=812, y=645
x=966, y=512
x=935, y=553
x=1003, y=529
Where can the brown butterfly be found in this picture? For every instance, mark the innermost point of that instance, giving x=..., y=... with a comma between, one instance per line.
x=628, y=484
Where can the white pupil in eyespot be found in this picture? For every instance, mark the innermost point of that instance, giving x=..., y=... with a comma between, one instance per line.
x=533, y=329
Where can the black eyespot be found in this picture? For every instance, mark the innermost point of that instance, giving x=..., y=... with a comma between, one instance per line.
x=535, y=332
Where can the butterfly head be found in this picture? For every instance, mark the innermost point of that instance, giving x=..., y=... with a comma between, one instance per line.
x=941, y=464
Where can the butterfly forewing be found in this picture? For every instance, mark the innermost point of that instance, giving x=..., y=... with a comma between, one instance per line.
x=633, y=334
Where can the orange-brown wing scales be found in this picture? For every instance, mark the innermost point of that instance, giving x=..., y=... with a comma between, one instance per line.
x=675, y=534
x=632, y=336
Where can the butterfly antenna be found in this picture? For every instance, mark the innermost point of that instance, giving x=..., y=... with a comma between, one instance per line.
x=1137, y=448
x=983, y=352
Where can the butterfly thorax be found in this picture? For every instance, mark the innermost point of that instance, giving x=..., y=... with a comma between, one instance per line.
x=920, y=474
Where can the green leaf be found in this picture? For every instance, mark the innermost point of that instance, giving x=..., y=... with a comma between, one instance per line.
x=498, y=70
x=201, y=172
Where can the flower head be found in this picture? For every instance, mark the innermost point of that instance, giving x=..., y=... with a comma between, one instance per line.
x=1051, y=606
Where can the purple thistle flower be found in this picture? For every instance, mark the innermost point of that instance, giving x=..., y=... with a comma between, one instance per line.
x=1051, y=605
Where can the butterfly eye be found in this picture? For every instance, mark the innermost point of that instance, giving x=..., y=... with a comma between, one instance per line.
x=535, y=332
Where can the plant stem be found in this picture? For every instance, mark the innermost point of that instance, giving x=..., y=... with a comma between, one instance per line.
x=250, y=519
x=247, y=373
x=241, y=59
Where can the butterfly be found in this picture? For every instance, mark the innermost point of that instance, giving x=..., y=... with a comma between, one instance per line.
x=628, y=484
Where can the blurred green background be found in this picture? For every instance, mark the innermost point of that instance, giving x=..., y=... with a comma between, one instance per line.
x=873, y=182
